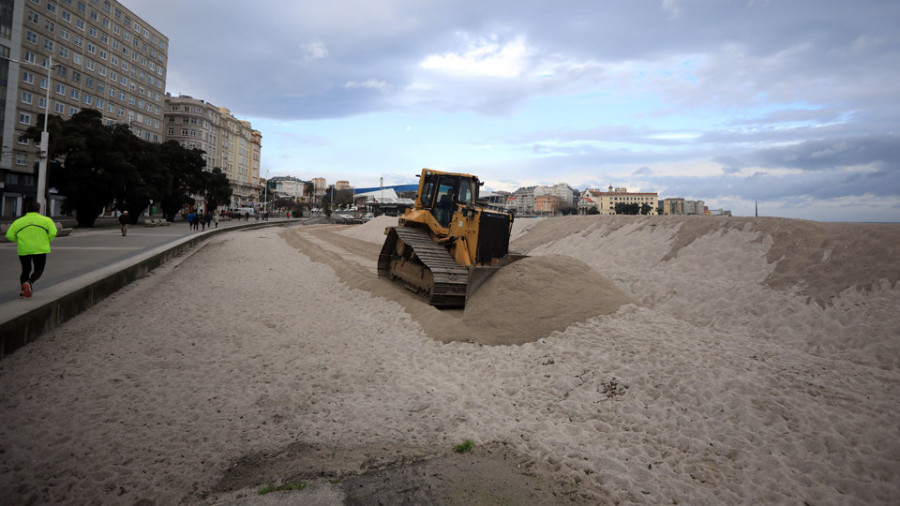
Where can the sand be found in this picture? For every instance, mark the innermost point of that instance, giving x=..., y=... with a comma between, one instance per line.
x=661, y=360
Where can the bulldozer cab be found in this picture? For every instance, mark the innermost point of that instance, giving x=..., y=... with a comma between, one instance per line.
x=440, y=193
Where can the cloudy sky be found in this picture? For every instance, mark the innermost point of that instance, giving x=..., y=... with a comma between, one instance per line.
x=791, y=103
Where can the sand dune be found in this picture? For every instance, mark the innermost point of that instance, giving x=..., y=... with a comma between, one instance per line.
x=634, y=360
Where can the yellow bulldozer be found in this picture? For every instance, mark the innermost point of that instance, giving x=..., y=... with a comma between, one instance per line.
x=448, y=244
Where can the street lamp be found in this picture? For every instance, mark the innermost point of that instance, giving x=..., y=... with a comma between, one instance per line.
x=45, y=140
x=266, y=193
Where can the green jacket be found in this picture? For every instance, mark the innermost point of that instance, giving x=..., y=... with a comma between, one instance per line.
x=33, y=233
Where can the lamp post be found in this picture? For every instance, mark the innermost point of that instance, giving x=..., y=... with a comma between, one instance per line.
x=266, y=192
x=45, y=140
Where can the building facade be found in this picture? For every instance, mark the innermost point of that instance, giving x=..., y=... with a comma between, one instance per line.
x=228, y=143
x=62, y=56
x=194, y=124
x=605, y=201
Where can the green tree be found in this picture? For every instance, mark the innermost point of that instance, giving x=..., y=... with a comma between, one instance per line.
x=85, y=164
x=623, y=208
x=180, y=176
x=215, y=188
x=646, y=208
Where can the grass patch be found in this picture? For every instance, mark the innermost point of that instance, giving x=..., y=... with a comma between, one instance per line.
x=465, y=446
x=279, y=488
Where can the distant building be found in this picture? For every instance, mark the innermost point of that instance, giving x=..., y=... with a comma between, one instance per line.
x=605, y=201
x=342, y=185
x=672, y=205
x=319, y=186
x=697, y=207
x=287, y=187
x=228, y=143
x=541, y=199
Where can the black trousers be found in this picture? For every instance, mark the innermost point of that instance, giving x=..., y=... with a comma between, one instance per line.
x=32, y=267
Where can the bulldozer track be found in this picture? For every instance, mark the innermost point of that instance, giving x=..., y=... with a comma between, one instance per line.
x=448, y=281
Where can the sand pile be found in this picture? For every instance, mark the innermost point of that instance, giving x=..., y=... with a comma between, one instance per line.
x=536, y=296
x=759, y=365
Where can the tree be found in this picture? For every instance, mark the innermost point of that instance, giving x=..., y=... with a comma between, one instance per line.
x=180, y=172
x=623, y=208
x=646, y=208
x=565, y=211
x=215, y=188
x=86, y=164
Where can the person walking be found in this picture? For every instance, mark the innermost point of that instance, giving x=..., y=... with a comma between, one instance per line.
x=32, y=234
x=123, y=223
x=216, y=218
x=190, y=220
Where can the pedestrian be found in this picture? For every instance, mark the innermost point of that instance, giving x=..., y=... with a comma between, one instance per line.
x=190, y=220
x=123, y=223
x=208, y=218
x=216, y=218
x=32, y=233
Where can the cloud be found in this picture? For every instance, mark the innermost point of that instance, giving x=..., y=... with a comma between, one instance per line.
x=313, y=50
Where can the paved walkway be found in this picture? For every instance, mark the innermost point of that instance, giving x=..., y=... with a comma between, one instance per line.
x=88, y=255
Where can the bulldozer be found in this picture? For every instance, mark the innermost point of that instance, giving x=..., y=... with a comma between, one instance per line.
x=448, y=244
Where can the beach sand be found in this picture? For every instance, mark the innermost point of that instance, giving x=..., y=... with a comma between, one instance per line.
x=647, y=360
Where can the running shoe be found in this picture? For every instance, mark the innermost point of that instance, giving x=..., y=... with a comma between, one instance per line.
x=26, y=289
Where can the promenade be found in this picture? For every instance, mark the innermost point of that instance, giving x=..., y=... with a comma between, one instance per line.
x=88, y=265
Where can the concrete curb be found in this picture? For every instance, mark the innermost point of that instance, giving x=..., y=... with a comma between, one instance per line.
x=21, y=324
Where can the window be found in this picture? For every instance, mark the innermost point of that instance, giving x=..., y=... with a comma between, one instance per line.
x=63, y=34
x=48, y=45
x=31, y=37
x=60, y=90
x=73, y=111
x=29, y=57
x=50, y=26
x=73, y=93
x=27, y=97
x=64, y=52
x=42, y=103
x=43, y=83
x=28, y=77
x=33, y=17
x=51, y=7
x=20, y=160
x=24, y=118
x=67, y=16
x=170, y=131
x=103, y=54
x=79, y=24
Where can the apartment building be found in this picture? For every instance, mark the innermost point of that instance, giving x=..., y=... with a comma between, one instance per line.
x=62, y=56
x=319, y=186
x=605, y=201
x=194, y=124
x=672, y=205
x=228, y=143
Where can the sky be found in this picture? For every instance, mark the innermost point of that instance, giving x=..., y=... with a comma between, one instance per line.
x=789, y=105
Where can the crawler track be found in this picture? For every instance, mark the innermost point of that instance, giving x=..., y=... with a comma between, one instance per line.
x=411, y=257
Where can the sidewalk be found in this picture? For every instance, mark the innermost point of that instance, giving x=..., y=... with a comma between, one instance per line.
x=89, y=265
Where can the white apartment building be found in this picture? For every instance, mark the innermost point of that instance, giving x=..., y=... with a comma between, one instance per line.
x=83, y=54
